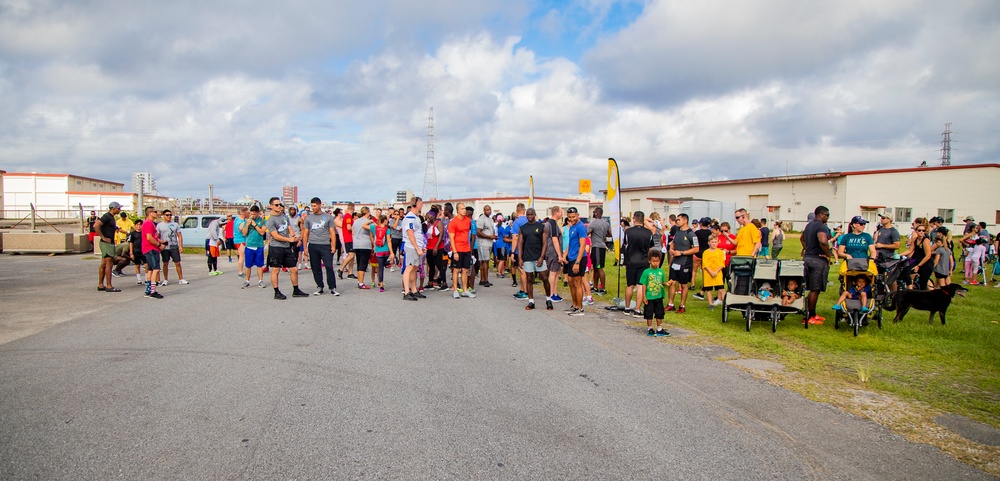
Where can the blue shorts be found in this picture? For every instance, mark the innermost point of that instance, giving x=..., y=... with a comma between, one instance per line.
x=253, y=257
x=153, y=260
x=765, y=251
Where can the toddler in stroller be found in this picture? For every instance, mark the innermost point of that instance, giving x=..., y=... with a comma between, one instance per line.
x=860, y=289
x=791, y=292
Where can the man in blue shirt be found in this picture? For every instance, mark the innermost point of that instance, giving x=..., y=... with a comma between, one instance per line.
x=515, y=229
x=575, y=266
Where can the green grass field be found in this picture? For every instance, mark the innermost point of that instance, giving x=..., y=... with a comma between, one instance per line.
x=953, y=368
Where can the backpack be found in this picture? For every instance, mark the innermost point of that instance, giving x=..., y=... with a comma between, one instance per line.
x=380, y=236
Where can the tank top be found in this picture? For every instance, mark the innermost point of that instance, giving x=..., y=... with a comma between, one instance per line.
x=919, y=254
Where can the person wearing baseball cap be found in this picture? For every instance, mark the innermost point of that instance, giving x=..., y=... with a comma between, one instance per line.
x=105, y=227
x=857, y=244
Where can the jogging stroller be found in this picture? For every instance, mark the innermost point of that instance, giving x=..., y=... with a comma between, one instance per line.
x=856, y=313
x=756, y=287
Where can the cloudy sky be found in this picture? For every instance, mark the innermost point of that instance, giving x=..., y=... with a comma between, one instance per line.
x=334, y=96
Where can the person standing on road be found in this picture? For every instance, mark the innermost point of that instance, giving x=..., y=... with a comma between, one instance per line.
x=532, y=246
x=253, y=252
x=363, y=244
x=240, y=239
x=106, y=227
x=170, y=231
x=598, y=229
x=638, y=240
x=414, y=244
x=515, y=227
x=348, y=227
x=230, y=239
x=816, y=257
x=461, y=255
x=320, y=237
x=280, y=254
x=134, y=241
x=576, y=260
x=216, y=233
x=553, y=256
x=151, y=245
x=487, y=234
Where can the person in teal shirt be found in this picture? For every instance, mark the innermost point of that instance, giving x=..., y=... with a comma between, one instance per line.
x=652, y=286
x=253, y=229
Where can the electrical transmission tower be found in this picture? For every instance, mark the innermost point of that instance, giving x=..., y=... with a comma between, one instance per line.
x=946, y=145
x=430, y=175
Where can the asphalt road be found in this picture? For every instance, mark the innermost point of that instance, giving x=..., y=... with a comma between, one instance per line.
x=215, y=382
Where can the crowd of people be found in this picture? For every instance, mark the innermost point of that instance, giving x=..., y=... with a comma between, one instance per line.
x=663, y=259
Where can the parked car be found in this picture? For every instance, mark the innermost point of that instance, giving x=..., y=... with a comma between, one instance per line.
x=194, y=228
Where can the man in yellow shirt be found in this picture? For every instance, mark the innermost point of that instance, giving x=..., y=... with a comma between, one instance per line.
x=748, y=238
x=125, y=225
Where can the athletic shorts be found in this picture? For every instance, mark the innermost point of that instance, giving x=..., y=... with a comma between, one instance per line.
x=515, y=258
x=171, y=255
x=253, y=257
x=230, y=243
x=484, y=252
x=464, y=260
x=240, y=245
x=348, y=247
x=597, y=257
x=281, y=257
x=138, y=258
x=712, y=288
x=107, y=250
x=552, y=262
x=632, y=275
x=653, y=308
x=938, y=275
x=682, y=275
x=153, y=260
x=568, y=270
x=364, y=256
x=500, y=253
x=411, y=257
x=534, y=266
x=817, y=273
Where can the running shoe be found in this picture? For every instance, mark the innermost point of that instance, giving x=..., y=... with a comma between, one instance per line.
x=578, y=312
x=812, y=320
x=571, y=309
x=530, y=306
x=469, y=294
x=319, y=291
x=163, y=283
x=717, y=302
x=669, y=308
x=662, y=333
x=183, y=282
x=409, y=297
x=352, y=276
x=334, y=292
x=420, y=295
x=681, y=310
x=650, y=332
x=455, y=294
x=637, y=313
x=699, y=296
x=588, y=301
x=363, y=286
x=340, y=274
x=245, y=284
x=548, y=305
x=381, y=289
x=156, y=295
x=112, y=289
x=556, y=298
x=628, y=312
x=521, y=295
x=260, y=284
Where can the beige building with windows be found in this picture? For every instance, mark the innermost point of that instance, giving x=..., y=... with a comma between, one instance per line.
x=952, y=192
x=62, y=195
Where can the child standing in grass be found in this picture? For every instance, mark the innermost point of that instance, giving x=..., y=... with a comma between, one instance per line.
x=942, y=261
x=713, y=261
x=651, y=291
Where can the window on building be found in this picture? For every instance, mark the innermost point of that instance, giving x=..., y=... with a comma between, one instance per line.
x=79, y=182
x=903, y=214
x=947, y=214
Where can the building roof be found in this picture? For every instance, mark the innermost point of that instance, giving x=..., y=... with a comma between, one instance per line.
x=824, y=175
x=36, y=174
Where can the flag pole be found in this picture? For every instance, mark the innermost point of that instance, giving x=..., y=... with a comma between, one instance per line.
x=615, y=207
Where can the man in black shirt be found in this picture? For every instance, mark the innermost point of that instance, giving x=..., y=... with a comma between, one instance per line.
x=638, y=240
x=816, y=257
x=105, y=227
x=682, y=249
x=532, y=246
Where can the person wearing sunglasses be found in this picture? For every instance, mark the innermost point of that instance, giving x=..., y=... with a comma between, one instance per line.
x=748, y=237
x=280, y=253
x=170, y=231
x=920, y=256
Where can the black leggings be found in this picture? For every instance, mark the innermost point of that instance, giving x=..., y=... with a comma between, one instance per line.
x=382, y=260
x=321, y=253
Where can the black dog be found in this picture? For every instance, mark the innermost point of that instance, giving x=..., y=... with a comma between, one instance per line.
x=934, y=300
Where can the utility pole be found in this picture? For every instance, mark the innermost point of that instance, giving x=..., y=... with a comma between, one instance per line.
x=211, y=199
x=946, y=145
x=430, y=175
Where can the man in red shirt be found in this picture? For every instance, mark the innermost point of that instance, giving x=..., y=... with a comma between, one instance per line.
x=151, y=245
x=230, y=240
x=461, y=251
x=348, y=224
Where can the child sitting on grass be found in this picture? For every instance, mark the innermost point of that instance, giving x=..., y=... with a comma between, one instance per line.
x=791, y=292
x=860, y=290
x=652, y=285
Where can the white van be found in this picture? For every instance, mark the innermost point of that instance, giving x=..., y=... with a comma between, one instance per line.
x=194, y=228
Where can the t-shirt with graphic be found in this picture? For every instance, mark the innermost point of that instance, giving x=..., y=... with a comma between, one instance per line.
x=319, y=228
x=168, y=232
x=460, y=227
x=255, y=240
x=279, y=224
x=653, y=279
x=412, y=223
x=856, y=245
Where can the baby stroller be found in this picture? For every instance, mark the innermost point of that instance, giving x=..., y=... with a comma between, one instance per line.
x=852, y=310
x=889, y=271
x=755, y=291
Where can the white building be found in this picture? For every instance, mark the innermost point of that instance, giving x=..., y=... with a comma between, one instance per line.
x=952, y=192
x=144, y=182
x=62, y=195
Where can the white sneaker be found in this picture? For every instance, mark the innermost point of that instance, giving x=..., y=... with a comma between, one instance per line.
x=716, y=302
x=183, y=281
x=164, y=282
x=319, y=291
x=334, y=292
x=455, y=294
x=469, y=294
x=260, y=284
x=245, y=284
x=588, y=301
